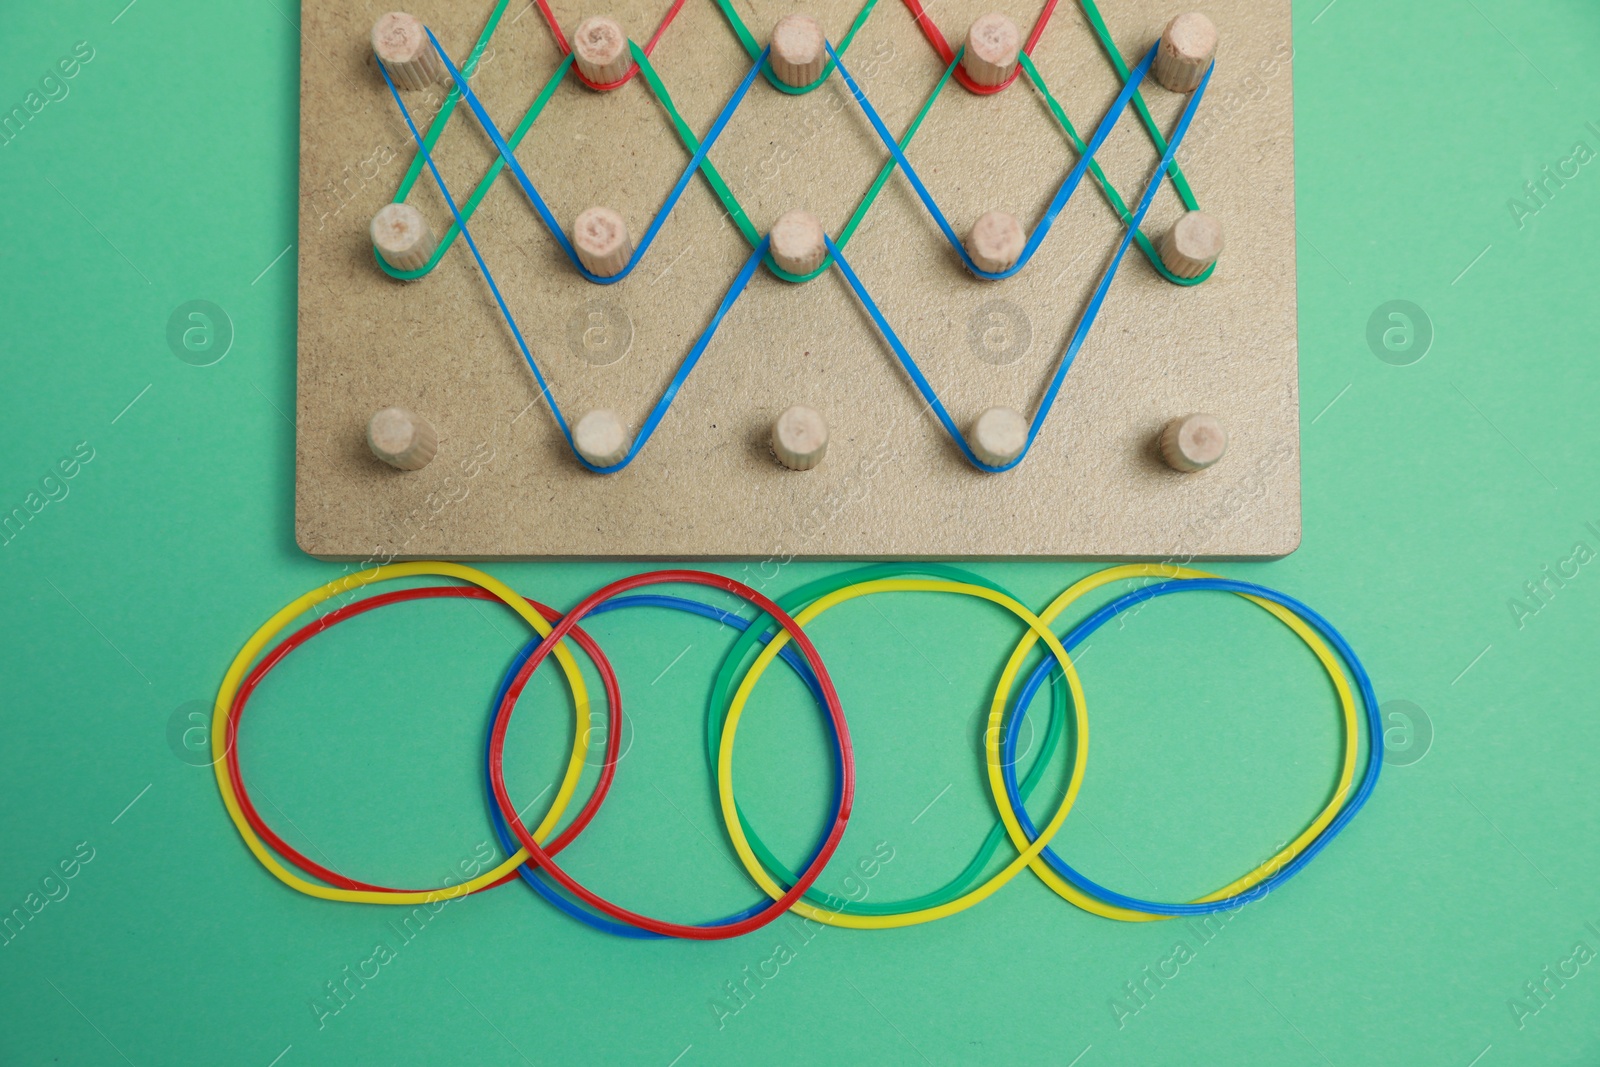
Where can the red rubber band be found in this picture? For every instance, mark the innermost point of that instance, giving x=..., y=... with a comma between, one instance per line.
x=288, y=852
x=566, y=49
x=948, y=54
x=541, y=857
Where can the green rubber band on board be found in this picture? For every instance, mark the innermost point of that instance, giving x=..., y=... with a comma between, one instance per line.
x=720, y=188
x=722, y=694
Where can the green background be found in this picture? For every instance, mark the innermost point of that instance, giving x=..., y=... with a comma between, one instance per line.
x=1433, y=492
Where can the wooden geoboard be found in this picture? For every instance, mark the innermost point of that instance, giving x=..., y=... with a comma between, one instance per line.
x=893, y=485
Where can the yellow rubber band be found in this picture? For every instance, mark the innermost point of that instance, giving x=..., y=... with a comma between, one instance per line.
x=1038, y=631
x=273, y=626
x=1166, y=571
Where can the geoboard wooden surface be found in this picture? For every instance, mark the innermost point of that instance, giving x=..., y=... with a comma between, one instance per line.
x=893, y=485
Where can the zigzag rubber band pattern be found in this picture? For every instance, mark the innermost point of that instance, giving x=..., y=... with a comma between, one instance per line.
x=1068, y=186
x=730, y=202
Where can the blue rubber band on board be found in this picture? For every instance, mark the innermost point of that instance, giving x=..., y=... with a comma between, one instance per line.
x=658, y=413
x=1064, y=193
x=1082, y=631
x=528, y=871
x=539, y=205
x=1085, y=321
x=660, y=410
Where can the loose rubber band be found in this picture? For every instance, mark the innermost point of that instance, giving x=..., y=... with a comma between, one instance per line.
x=722, y=693
x=507, y=841
x=1283, y=866
x=782, y=899
x=273, y=626
x=359, y=607
x=1027, y=854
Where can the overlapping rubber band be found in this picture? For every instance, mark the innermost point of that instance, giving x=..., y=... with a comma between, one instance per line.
x=779, y=634
x=506, y=157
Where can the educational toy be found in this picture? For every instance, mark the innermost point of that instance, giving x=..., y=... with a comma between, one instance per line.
x=604, y=249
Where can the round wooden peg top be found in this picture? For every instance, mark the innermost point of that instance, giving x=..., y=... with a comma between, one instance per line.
x=601, y=239
x=995, y=241
x=402, y=236
x=601, y=50
x=1188, y=45
x=600, y=438
x=800, y=438
x=402, y=439
x=401, y=43
x=797, y=55
x=1192, y=245
x=796, y=242
x=1193, y=442
x=993, y=44
x=999, y=436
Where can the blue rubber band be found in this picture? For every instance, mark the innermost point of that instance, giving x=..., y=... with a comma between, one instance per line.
x=538, y=201
x=669, y=394
x=1068, y=186
x=1082, y=631
x=529, y=872
x=658, y=413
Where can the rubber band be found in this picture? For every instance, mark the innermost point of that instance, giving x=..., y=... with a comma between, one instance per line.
x=660, y=410
x=273, y=626
x=1027, y=854
x=722, y=694
x=1008, y=813
x=1085, y=323
x=791, y=630
x=507, y=841
x=1327, y=825
x=536, y=865
x=627, y=76
x=305, y=633
x=549, y=219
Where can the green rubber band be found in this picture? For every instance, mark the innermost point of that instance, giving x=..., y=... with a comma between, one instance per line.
x=1117, y=203
x=731, y=203
x=436, y=128
x=722, y=694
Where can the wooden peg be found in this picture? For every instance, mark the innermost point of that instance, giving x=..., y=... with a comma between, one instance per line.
x=797, y=55
x=796, y=242
x=600, y=438
x=800, y=438
x=1188, y=45
x=995, y=241
x=601, y=238
x=1192, y=245
x=1193, y=442
x=403, y=237
x=601, y=50
x=999, y=436
x=401, y=43
x=993, y=44
x=402, y=439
